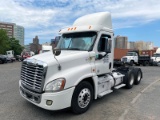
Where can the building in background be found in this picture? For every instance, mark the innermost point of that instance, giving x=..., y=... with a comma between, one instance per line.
x=121, y=42
x=27, y=48
x=9, y=27
x=141, y=45
x=19, y=34
x=35, y=46
x=131, y=45
x=14, y=31
x=150, y=45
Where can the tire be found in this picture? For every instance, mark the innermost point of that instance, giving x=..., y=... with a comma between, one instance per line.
x=138, y=76
x=131, y=63
x=1, y=61
x=145, y=63
x=82, y=98
x=129, y=79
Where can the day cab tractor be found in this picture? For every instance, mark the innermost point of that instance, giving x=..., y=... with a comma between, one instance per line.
x=79, y=70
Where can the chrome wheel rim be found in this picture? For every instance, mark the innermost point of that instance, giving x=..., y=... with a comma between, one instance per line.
x=84, y=98
x=132, y=80
x=139, y=76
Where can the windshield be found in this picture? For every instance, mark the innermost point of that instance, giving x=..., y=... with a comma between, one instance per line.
x=156, y=55
x=77, y=41
x=130, y=54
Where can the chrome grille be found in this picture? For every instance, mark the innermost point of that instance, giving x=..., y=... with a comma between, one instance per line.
x=33, y=74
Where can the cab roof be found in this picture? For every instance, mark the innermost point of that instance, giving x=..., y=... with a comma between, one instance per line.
x=91, y=22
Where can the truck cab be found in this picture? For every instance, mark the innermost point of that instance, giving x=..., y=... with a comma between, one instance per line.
x=10, y=53
x=156, y=58
x=131, y=58
x=79, y=70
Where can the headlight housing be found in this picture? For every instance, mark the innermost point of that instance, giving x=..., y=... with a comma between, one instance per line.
x=55, y=85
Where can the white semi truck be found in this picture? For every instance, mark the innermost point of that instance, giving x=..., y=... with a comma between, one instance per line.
x=79, y=70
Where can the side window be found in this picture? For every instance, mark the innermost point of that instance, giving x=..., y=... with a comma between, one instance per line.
x=135, y=54
x=104, y=43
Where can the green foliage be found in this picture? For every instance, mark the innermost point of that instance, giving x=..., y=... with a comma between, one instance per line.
x=7, y=43
x=4, y=41
x=15, y=46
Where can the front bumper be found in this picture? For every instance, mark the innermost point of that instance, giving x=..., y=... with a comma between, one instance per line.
x=60, y=99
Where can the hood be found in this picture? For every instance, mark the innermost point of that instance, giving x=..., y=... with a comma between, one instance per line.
x=66, y=64
x=124, y=57
x=67, y=60
x=65, y=55
x=128, y=57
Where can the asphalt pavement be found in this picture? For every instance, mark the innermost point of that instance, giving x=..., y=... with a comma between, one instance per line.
x=139, y=103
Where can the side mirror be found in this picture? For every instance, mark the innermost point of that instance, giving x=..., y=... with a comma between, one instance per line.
x=56, y=52
x=101, y=55
x=108, y=51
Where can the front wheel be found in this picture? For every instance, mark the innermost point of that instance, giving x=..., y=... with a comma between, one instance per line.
x=82, y=97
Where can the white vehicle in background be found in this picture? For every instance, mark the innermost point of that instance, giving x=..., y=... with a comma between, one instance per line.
x=156, y=57
x=45, y=48
x=32, y=53
x=10, y=55
x=79, y=70
x=133, y=57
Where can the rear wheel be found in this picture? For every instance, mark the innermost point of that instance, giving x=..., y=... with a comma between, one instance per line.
x=82, y=97
x=129, y=79
x=138, y=76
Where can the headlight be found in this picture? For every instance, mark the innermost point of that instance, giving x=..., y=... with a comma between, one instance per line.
x=56, y=85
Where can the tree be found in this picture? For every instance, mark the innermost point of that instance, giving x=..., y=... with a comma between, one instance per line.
x=15, y=46
x=4, y=41
x=7, y=43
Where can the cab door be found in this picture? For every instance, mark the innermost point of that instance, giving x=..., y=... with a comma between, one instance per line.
x=103, y=54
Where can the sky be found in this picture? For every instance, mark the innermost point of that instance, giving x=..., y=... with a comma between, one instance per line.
x=136, y=19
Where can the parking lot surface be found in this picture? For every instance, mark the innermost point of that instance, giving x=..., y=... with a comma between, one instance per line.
x=139, y=103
